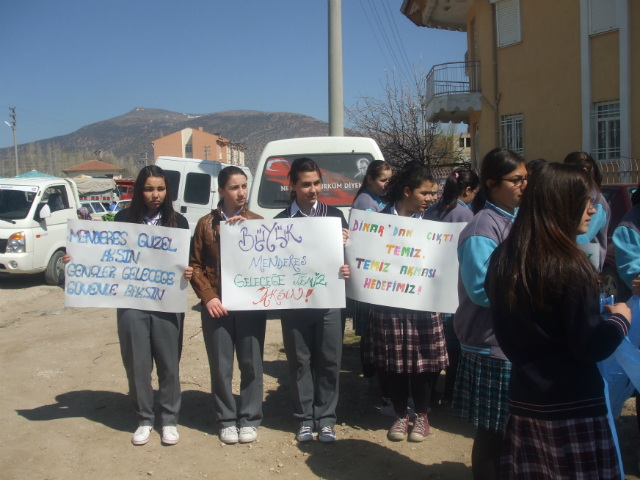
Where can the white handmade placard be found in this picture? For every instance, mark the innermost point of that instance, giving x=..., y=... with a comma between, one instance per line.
x=403, y=262
x=126, y=265
x=593, y=252
x=282, y=264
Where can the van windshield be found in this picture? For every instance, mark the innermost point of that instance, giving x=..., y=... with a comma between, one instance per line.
x=342, y=175
x=15, y=201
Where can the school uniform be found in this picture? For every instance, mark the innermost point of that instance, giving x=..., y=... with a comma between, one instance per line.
x=481, y=390
x=313, y=345
x=147, y=336
x=459, y=213
x=243, y=331
x=626, y=239
x=557, y=425
x=408, y=345
x=598, y=226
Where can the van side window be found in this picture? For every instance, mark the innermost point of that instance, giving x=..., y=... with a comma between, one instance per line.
x=197, y=188
x=174, y=181
x=56, y=197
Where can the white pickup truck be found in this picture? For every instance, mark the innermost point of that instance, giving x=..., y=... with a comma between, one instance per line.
x=33, y=225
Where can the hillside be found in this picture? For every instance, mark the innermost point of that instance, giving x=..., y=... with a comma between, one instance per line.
x=130, y=135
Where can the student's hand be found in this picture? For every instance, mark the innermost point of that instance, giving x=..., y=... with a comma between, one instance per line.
x=188, y=273
x=620, y=308
x=344, y=271
x=345, y=235
x=635, y=285
x=215, y=308
x=236, y=219
x=66, y=259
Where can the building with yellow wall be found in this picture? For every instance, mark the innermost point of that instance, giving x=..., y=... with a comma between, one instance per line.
x=190, y=143
x=541, y=77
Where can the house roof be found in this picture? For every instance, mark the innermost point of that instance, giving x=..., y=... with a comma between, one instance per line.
x=92, y=165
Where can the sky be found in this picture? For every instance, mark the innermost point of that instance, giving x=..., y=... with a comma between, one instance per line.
x=67, y=64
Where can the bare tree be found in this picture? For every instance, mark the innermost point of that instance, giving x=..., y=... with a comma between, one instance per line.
x=397, y=122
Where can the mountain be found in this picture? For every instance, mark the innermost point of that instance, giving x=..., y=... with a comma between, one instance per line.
x=130, y=135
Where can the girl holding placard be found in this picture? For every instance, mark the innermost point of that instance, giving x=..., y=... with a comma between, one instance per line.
x=460, y=189
x=408, y=345
x=222, y=330
x=313, y=337
x=481, y=391
x=149, y=336
x=545, y=304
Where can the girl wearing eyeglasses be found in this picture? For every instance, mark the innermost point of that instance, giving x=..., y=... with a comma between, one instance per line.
x=481, y=389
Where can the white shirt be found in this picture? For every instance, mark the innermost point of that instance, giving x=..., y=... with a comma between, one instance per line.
x=155, y=220
x=295, y=209
x=234, y=215
x=395, y=212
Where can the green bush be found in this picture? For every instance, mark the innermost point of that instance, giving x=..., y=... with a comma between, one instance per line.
x=108, y=217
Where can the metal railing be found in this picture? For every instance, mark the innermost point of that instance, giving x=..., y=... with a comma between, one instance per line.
x=620, y=171
x=451, y=78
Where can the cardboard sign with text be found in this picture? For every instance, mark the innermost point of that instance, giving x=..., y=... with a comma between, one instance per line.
x=403, y=262
x=282, y=264
x=126, y=265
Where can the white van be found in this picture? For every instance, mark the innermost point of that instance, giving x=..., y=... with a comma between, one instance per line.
x=342, y=160
x=194, y=185
x=33, y=224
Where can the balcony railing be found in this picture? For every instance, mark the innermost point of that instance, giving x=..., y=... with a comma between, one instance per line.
x=453, y=78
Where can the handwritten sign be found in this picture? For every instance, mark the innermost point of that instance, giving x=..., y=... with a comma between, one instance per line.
x=403, y=262
x=592, y=250
x=282, y=264
x=126, y=265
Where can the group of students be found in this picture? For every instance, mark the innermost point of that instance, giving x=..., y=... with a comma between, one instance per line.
x=520, y=352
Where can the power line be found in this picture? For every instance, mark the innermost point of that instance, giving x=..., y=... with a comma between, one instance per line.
x=403, y=51
x=375, y=35
x=376, y=15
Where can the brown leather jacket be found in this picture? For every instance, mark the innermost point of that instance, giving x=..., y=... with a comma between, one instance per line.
x=205, y=255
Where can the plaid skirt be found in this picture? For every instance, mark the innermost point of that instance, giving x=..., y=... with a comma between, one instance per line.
x=360, y=317
x=481, y=394
x=405, y=341
x=576, y=449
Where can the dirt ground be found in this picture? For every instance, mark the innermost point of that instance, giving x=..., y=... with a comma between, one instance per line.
x=64, y=411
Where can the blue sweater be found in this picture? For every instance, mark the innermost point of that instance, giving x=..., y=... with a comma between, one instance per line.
x=626, y=239
x=459, y=214
x=369, y=202
x=473, y=322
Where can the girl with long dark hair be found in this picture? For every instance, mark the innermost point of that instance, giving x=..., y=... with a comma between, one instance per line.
x=408, y=345
x=313, y=337
x=545, y=303
x=481, y=389
x=225, y=331
x=599, y=225
x=460, y=189
x=150, y=336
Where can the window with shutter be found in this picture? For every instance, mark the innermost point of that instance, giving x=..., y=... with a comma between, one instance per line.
x=508, y=22
x=602, y=16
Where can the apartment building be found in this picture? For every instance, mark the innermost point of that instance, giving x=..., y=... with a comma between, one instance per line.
x=541, y=77
x=190, y=143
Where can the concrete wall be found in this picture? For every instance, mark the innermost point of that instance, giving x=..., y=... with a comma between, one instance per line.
x=634, y=15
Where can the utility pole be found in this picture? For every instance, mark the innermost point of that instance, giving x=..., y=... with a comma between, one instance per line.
x=15, y=142
x=206, y=153
x=336, y=103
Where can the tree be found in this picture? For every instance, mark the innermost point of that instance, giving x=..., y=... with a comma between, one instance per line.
x=397, y=122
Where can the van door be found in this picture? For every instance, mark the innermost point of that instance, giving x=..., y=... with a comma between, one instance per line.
x=199, y=194
x=51, y=232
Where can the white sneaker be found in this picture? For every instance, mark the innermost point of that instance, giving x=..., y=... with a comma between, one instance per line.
x=170, y=435
x=248, y=434
x=229, y=435
x=141, y=435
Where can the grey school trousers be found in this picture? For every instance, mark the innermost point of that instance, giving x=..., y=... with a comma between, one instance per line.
x=313, y=344
x=146, y=336
x=245, y=331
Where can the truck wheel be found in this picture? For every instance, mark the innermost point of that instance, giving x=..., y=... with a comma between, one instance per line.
x=54, y=275
x=613, y=284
